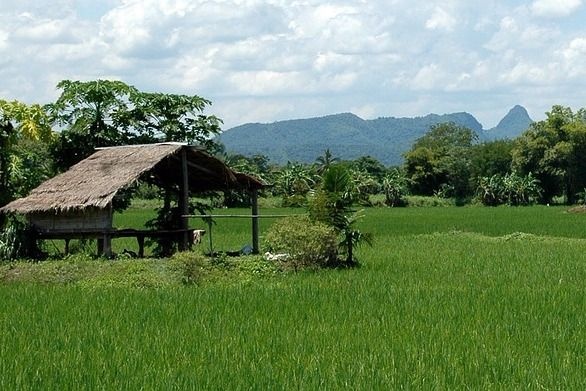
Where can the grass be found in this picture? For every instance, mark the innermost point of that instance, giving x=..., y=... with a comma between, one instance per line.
x=447, y=298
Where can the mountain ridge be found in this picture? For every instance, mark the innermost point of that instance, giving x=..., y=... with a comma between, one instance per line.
x=348, y=136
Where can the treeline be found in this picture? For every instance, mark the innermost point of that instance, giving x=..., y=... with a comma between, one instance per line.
x=545, y=164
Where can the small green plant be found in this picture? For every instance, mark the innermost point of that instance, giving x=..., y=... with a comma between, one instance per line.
x=395, y=187
x=188, y=265
x=331, y=204
x=511, y=189
x=17, y=240
x=305, y=243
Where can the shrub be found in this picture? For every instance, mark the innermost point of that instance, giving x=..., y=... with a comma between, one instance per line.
x=426, y=202
x=307, y=243
x=188, y=266
x=395, y=187
x=294, y=201
x=511, y=189
x=17, y=240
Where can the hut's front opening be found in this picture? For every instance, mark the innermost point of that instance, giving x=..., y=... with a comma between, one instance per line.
x=79, y=203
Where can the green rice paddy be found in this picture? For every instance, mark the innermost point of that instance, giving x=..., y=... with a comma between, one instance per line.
x=447, y=298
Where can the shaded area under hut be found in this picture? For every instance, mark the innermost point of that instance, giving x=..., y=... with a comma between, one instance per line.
x=79, y=202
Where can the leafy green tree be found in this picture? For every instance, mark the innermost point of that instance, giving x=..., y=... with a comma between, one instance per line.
x=331, y=204
x=491, y=158
x=89, y=113
x=106, y=113
x=553, y=150
x=295, y=179
x=158, y=117
x=371, y=166
x=395, y=187
x=362, y=185
x=511, y=189
x=21, y=125
x=440, y=159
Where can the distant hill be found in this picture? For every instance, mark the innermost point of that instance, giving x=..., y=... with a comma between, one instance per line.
x=511, y=126
x=349, y=136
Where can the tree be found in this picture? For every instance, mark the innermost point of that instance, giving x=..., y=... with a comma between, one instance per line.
x=395, y=187
x=330, y=204
x=553, y=151
x=440, y=159
x=362, y=185
x=157, y=117
x=491, y=158
x=324, y=161
x=510, y=189
x=91, y=114
x=371, y=166
x=21, y=125
x=295, y=179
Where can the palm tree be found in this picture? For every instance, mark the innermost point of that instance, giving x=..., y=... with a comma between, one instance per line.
x=325, y=161
x=331, y=204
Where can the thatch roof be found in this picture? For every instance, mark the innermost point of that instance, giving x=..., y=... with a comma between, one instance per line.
x=93, y=182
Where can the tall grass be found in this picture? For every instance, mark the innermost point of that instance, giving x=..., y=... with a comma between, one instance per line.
x=446, y=298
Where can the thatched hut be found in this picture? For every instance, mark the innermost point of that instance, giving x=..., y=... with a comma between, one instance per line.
x=78, y=202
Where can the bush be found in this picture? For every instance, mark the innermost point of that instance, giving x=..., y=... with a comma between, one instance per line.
x=17, y=240
x=294, y=201
x=395, y=188
x=306, y=243
x=426, y=202
x=188, y=266
x=511, y=189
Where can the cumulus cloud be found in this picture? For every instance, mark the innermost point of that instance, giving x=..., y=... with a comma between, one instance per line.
x=264, y=60
x=440, y=20
x=555, y=8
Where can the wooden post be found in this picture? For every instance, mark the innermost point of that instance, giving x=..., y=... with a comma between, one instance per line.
x=107, y=245
x=106, y=242
x=140, y=240
x=100, y=243
x=254, y=204
x=210, y=222
x=184, y=202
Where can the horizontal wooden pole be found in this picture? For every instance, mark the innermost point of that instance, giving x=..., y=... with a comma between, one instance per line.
x=244, y=216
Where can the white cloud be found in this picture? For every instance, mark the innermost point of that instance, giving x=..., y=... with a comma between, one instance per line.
x=574, y=55
x=264, y=60
x=440, y=20
x=3, y=39
x=555, y=8
x=427, y=77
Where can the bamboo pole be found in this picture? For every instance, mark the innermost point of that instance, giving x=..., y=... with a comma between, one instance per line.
x=254, y=202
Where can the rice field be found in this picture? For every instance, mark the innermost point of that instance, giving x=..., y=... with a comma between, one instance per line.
x=446, y=298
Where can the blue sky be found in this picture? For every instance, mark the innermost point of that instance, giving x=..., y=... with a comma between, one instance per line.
x=262, y=61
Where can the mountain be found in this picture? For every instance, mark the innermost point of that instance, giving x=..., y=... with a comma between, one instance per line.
x=511, y=126
x=349, y=137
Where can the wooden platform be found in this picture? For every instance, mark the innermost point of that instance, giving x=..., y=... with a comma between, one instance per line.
x=105, y=236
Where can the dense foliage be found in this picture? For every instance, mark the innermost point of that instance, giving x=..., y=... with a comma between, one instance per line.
x=553, y=150
x=302, y=243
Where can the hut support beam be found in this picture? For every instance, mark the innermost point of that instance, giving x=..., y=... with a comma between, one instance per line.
x=184, y=201
x=254, y=203
x=105, y=246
